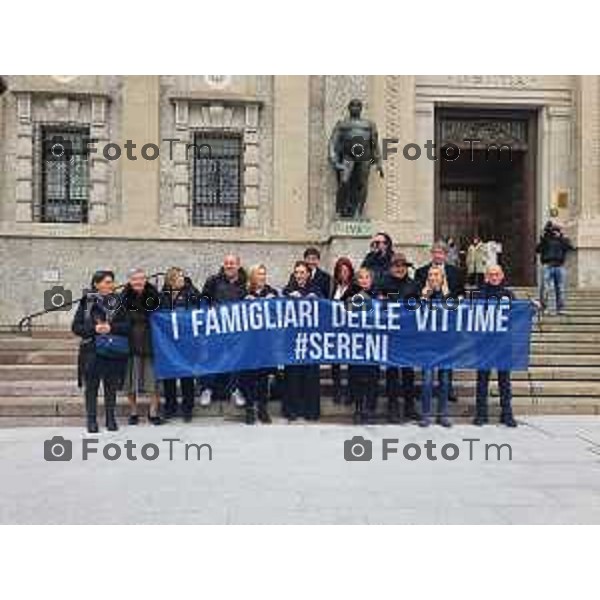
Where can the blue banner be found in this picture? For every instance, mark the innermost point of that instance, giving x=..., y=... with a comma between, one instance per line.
x=237, y=336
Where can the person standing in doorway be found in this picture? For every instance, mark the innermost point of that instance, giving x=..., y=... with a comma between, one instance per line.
x=476, y=261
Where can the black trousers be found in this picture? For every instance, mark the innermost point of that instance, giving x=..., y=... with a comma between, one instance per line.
x=483, y=380
x=393, y=388
x=222, y=385
x=302, y=392
x=110, y=385
x=336, y=376
x=187, y=393
x=363, y=384
x=255, y=387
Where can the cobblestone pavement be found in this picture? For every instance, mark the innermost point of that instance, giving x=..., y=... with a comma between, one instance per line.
x=297, y=474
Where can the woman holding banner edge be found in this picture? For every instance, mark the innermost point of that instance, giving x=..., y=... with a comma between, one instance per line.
x=302, y=382
x=436, y=288
x=255, y=383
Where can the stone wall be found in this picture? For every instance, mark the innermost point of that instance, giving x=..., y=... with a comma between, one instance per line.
x=140, y=210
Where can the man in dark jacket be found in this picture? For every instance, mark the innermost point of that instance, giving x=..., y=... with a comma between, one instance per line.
x=318, y=277
x=228, y=285
x=553, y=248
x=454, y=278
x=378, y=259
x=397, y=286
x=493, y=290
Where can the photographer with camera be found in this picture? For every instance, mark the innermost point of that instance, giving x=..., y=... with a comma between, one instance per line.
x=102, y=324
x=553, y=248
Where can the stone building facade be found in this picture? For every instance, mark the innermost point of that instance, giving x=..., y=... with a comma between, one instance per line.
x=273, y=134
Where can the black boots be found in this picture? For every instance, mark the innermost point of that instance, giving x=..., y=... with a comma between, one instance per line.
x=111, y=422
x=250, y=415
x=92, y=424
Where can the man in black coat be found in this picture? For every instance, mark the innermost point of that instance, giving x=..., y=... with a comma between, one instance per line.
x=454, y=277
x=493, y=290
x=397, y=286
x=228, y=285
x=439, y=257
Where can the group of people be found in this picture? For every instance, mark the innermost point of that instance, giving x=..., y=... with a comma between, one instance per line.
x=116, y=345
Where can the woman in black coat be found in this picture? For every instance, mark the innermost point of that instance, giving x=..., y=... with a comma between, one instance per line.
x=343, y=289
x=101, y=313
x=302, y=382
x=179, y=292
x=255, y=383
x=363, y=380
x=141, y=298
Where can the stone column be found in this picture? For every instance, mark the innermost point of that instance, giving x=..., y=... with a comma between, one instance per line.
x=24, y=160
x=291, y=148
x=587, y=236
x=140, y=179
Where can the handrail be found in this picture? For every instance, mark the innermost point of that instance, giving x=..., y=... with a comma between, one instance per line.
x=25, y=323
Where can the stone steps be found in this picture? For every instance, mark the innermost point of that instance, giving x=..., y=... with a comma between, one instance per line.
x=58, y=406
x=38, y=371
x=40, y=374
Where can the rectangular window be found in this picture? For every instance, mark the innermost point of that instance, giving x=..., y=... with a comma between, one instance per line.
x=64, y=171
x=217, y=179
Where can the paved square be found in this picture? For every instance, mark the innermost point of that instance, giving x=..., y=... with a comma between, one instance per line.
x=297, y=474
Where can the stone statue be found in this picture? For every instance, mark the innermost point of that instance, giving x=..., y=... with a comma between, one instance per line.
x=353, y=148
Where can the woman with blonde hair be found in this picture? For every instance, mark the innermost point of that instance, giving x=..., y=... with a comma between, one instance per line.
x=255, y=383
x=179, y=292
x=436, y=288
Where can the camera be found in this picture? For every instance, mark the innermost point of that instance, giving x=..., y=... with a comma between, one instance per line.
x=357, y=149
x=58, y=298
x=358, y=449
x=57, y=149
x=58, y=449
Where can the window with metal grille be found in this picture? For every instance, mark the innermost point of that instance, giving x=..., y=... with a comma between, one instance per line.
x=217, y=179
x=64, y=174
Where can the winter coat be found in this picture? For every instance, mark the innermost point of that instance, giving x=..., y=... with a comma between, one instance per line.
x=398, y=288
x=218, y=288
x=378, y=264
x=139, y=307
x=453, y=276
x=477, y=259
x=553, y=249
x=90, y=312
